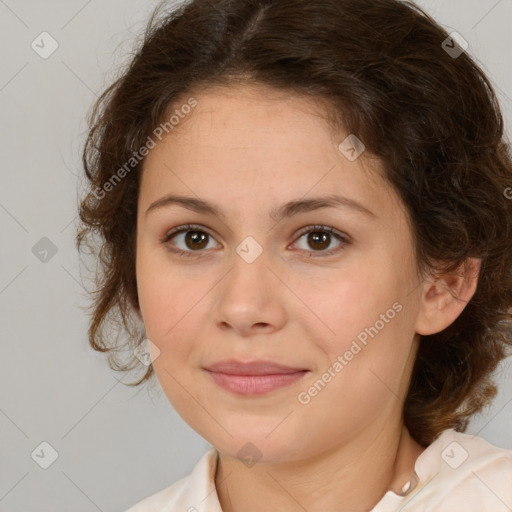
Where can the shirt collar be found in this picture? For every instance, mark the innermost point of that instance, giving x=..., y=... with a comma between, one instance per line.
x=200, y=494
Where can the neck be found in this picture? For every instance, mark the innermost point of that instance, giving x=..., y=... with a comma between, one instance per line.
x=349, y=477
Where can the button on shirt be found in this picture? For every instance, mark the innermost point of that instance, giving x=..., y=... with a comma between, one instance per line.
x=457, y=472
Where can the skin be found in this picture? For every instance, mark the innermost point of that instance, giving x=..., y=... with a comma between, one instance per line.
x=248, y=149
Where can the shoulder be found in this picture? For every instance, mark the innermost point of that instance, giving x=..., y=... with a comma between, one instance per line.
x=464, y=472
x=186, y=494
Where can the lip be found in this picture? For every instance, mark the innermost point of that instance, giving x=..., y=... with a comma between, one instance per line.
x=261, y=367
x=253, y=378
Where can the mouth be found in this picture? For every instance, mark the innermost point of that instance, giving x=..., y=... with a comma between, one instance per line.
x=253, y=378
x=260, y=367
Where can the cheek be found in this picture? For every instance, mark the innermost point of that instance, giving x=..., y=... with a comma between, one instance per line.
x=340, y=306
x=371, y=331
x=161, y=288
x=173, y=307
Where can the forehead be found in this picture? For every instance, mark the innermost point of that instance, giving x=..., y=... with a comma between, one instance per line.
x=252, y=114
x=258, y=142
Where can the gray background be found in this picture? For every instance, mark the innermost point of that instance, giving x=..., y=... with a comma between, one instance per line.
x=116, y=444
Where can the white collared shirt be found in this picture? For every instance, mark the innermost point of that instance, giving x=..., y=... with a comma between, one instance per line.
x=457, y=473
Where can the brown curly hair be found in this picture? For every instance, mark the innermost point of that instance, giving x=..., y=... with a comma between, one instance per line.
x=382, y=66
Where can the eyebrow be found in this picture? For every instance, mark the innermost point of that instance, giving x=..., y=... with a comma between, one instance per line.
x=286, y=210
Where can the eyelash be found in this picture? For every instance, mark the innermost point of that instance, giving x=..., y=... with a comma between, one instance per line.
x=309, y=229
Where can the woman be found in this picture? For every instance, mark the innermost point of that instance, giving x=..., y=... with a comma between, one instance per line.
x=304, y=205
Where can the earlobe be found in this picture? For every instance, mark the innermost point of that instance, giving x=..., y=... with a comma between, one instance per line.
x=445, y=297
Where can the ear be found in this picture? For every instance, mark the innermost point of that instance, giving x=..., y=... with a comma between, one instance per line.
x=445, y=297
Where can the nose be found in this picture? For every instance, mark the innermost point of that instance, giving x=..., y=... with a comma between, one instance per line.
x=250, y=298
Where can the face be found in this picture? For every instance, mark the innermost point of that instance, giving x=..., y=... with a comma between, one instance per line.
x=331, y=290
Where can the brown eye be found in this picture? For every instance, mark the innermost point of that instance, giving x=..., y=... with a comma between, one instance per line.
x=196, y=239
x=320, y=238
x=187, y=240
